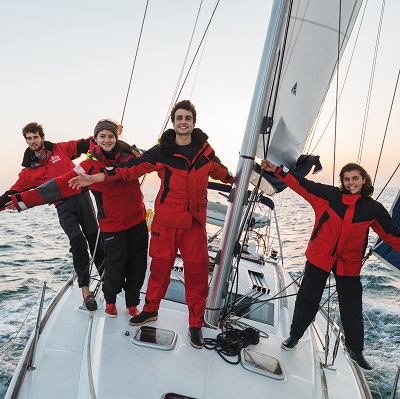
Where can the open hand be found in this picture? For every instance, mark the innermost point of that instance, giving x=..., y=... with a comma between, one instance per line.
x=84, y=180
x=10, y=206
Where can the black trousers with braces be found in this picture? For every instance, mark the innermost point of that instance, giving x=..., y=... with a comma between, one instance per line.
x=126, y=263
x=349, y=290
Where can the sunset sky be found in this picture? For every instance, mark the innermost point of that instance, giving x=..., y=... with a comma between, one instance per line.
x=68, y=64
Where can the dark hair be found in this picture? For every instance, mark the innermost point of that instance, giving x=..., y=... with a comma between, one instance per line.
x=33, y=127
x=367, y=186
x=186, y=105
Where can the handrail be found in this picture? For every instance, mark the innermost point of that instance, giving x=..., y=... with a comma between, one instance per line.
x=24, y=367
x=395, y=382
x=31, y=366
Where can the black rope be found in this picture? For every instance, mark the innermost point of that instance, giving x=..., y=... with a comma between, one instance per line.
x=232, y=341
x=311, y=137
x=390, y=178
x=336, y=97
x=134, y=63
x=193, y=60
x=174, y=96
x=387, y=124
x=371, y=81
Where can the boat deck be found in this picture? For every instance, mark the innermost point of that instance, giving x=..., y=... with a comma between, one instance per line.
x=122, y=369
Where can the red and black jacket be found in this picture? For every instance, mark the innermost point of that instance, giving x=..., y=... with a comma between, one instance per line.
x=119, y=203
x=183, y=192
x=342, y=222
x=58, y=162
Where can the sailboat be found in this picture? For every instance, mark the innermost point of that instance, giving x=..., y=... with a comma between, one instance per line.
x=76, y=354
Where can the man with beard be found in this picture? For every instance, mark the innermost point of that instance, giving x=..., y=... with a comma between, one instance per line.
x=42, y=161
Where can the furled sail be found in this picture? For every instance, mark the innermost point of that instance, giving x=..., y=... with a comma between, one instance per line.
x=383, y=251
x=310, y=60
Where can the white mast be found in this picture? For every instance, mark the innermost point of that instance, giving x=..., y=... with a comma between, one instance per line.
x=245, y=165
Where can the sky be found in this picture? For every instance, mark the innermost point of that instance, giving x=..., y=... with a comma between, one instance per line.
x=68, y=64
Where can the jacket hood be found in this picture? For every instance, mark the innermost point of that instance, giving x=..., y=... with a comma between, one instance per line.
x=168, y=145
x=29, y=155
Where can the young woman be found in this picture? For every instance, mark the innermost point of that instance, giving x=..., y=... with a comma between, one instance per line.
x=338, y=241
x=121, y=215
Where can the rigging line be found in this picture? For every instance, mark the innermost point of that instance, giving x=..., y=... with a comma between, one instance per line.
x=277, y=76
x=194, y=57
x=387, y=125
x=19, y=330
x=134, y=62
x=198, y=67
x=341, y=91
x=173, y=99
x=390, y=178
x=371, y=81
x=336, y=99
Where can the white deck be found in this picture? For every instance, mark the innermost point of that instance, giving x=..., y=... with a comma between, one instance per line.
x=121, y=369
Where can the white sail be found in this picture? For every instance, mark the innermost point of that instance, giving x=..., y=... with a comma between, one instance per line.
x=310, y=59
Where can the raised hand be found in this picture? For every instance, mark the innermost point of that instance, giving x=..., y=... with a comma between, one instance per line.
x=268, y=166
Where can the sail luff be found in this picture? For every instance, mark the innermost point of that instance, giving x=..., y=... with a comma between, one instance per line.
x=246, y=161
x=309, y=66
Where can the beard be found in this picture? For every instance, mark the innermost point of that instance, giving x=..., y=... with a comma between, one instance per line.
x=37, y=147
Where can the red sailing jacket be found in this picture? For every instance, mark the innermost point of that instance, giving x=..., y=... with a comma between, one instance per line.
x=183, y=192
x=119, y=203
x=342, y=222
x=57, y=163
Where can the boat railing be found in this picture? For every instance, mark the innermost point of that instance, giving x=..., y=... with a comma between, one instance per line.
x=31, y=365
x=27, y=362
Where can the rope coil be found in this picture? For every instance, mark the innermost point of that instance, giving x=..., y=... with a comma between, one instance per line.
x=232, y=341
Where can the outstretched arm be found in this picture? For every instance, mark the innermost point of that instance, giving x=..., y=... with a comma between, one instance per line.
x=84, y=180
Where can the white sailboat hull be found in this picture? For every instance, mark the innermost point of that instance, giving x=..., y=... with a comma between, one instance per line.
x=114, y=366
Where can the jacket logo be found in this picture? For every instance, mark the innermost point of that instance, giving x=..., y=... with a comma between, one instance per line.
x=54, y=159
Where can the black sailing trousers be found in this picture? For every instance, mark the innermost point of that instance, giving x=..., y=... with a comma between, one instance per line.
x=126, y=263
x=349, y=290
x=78, y=220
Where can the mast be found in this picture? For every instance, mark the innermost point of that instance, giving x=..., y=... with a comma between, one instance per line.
x=246, y=160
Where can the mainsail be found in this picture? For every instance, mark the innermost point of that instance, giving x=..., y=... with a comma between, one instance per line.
x=310, y=61
x=309, y=49
x=383, y=251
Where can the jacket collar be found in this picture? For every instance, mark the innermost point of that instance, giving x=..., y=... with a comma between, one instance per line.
x=29, y=155
x=169, y=147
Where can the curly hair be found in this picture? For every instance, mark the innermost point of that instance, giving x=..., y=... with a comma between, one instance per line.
x=33, y=127
x=186, y=105
x=364, y=174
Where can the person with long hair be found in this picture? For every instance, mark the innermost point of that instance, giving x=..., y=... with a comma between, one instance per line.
x=121, y=215
x=343, y=216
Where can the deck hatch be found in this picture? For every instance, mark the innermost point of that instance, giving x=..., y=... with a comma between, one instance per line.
x=261, y=363
x=153, y=337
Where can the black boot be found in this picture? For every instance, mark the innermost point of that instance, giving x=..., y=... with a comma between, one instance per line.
x=289, y=343
x=143, y=317
x=359, y=359
x=196, y=337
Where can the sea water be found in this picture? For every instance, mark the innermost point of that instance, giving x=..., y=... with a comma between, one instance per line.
x=34, y=250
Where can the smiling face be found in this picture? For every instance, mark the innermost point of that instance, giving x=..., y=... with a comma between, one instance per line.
x=183, y=123
x=106, y=140
x=353, y=181
x=35, y=142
